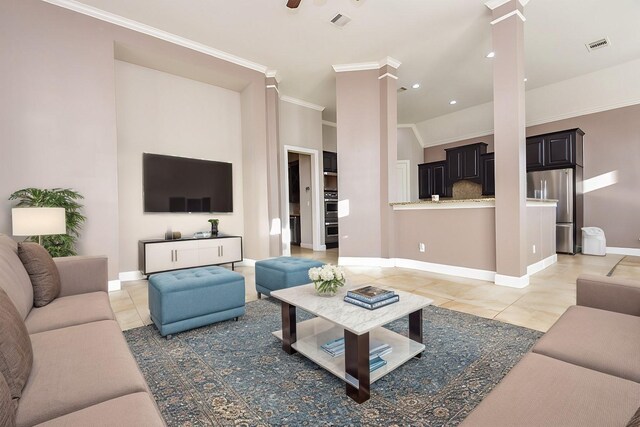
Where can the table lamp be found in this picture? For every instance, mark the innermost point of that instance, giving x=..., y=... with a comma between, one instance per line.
x=38, y=222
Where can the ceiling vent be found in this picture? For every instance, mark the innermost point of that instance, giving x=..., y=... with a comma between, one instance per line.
x=598, y=44
x=340, y=20
x=402, y=89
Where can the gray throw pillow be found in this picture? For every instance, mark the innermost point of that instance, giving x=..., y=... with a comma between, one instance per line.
x=42, y=272
x=16, y=354
x=7, y=405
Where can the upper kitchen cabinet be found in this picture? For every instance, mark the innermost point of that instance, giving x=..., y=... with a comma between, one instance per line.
x=432, y=179
x=488, y=174
x=555, y=150
x=464, y=162
x=330, y=161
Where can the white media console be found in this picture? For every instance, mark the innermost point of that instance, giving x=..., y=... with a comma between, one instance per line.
x=155, y=256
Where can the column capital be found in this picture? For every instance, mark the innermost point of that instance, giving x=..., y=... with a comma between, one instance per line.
x=362, y=66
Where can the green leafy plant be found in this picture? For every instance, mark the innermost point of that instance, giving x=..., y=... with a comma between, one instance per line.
x=58, y=245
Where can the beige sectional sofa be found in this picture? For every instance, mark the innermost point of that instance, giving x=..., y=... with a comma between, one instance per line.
x=585, y=371
x=83, y=372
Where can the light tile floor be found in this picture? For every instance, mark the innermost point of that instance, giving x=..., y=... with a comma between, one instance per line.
x=537, y=306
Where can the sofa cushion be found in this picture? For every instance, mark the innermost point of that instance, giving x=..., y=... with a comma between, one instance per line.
x=603, y=340
x=77, y=367
x=14, y=278
x=132, y=410
x=541, y=391
x=635, y=419
x=42, y=272
x=7, y=405
x=70, y=311
x=16, y=355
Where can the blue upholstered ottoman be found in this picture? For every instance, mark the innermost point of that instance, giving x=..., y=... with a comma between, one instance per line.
x=187, y=299
x=283, y=272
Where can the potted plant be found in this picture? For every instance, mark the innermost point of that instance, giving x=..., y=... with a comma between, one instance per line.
x=59, y=245
x=214, y=226
x=327, y=279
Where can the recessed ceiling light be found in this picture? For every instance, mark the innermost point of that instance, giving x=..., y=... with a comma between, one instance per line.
x=491, y=54
x=525, y=79
x=415, y=85
x=453, y=102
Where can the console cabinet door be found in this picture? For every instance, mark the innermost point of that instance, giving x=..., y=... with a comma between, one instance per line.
x=186, y=254
x=159, y=257
x=230, y=250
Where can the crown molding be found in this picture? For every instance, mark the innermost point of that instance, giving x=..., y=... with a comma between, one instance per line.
x=493, y=4
x=416, y=132
x=328, y=123
x=274, y=87
x=154, y=32
x=363, y=66
x=301, y=103
x=388, y=75
x=509, y=15
x=273, y=74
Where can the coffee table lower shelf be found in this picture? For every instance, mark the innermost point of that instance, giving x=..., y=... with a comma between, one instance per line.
x=311, y=334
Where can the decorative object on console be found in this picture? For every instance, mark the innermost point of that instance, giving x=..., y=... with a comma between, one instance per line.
x=56, y=242
x=214, y=226
x=327, y=279
x=176, y=235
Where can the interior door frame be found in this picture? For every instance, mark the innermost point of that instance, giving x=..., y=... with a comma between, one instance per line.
x=316, y=199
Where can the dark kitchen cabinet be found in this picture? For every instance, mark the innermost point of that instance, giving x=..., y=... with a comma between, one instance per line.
x=294, y=182
x=464, y=162
x=488, y=174
x=555, y=150
x=330, y=161
x=432, y=179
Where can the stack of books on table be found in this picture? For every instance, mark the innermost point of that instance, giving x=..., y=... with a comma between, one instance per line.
x=371, y=297
x=377, y=349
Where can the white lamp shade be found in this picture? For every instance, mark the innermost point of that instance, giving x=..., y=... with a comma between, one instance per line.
x=38, y=221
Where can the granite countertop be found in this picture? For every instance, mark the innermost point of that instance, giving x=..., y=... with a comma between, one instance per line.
x=481, y=200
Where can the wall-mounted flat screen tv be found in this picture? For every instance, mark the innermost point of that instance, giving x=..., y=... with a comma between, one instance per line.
x=179, y=184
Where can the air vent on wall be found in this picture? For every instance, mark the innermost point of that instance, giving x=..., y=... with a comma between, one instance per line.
x=340, y=20
x=402, y=89
x=598, y=44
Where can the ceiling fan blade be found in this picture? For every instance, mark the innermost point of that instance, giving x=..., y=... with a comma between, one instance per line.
x=292, y=4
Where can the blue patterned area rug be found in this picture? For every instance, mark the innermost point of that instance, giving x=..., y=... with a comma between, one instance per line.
x=236, y=374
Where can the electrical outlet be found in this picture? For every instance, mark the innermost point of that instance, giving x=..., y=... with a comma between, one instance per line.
x=534, y=249
x=422, y=247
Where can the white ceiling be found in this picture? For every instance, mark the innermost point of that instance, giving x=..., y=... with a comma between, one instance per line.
x=441, y=43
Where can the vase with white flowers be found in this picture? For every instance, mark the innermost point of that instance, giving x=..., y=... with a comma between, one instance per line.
x=327, y=279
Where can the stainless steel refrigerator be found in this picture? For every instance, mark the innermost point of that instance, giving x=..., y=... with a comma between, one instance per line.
x=565, y=186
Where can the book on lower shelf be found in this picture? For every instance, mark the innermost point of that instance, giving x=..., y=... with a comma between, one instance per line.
x=372, y=306
x=376, y=349
x=370, y=294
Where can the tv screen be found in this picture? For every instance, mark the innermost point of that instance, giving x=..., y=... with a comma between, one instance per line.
x=179, y=184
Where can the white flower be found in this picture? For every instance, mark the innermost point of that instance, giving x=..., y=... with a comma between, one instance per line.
x=326, y=274
x=314, y=274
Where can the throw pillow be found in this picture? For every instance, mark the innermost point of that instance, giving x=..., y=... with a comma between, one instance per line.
x=42, y=272
x=7, y=405
x=635, y=420
x=16, y=354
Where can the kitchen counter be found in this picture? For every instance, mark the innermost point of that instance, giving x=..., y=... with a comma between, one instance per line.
x=485, y=202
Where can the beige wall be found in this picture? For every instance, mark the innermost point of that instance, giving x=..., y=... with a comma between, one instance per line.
x=457, y=237
x=329, y=138
x=611, y=143
x=410, y=149
x=156, y=114
x=541, y=232
x=58, y=115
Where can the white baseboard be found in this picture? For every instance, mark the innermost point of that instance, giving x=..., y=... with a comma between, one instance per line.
x=451, y=270
x=366, y=262
x=246, y=262
x=306, y=245
x=128, y=276
x=512, y=281
x=542, y=264
x=623, y=251
x=114, y=285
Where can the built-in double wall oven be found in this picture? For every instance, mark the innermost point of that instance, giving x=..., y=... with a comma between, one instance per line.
x=331, y=218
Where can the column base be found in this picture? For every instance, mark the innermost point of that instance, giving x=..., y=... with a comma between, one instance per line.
x=512, y=281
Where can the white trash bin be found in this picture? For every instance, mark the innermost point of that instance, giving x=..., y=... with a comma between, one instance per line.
x=593, y=241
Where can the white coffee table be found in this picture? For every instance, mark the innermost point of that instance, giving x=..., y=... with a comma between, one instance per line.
x=336, y=318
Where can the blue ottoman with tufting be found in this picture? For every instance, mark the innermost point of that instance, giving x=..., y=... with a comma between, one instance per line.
x=283, y=272
x=186, y=299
